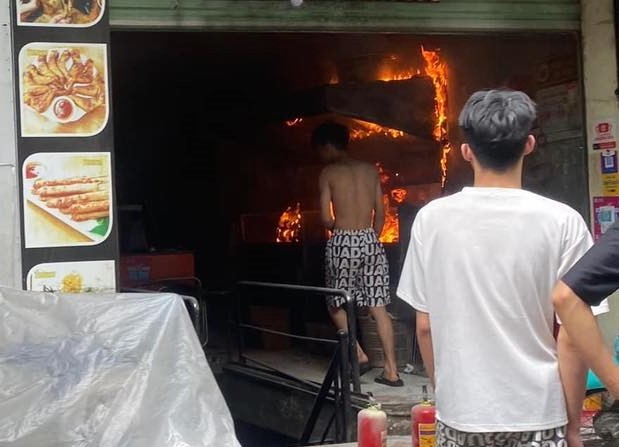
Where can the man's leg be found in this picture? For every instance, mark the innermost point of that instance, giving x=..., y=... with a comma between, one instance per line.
x=340, y=319
x=384, y=327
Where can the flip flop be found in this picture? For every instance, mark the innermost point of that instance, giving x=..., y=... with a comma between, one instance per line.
x=384, y=381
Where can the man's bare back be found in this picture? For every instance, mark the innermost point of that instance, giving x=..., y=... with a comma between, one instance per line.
x=351, y=204
x=354, y=189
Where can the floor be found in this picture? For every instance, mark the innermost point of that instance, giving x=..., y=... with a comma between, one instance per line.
x=313, y=368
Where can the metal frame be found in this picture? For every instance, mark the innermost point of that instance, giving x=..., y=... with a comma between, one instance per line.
x=191, y=303
x=343, y=368
x=197, y=313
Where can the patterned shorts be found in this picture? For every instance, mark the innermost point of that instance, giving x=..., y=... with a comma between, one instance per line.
x=355, y=261
x=450, y=437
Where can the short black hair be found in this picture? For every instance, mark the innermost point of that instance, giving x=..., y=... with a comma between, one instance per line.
x=496, y=125
x=331, y=133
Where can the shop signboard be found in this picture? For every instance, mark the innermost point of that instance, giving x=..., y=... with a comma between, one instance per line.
x=65, y=145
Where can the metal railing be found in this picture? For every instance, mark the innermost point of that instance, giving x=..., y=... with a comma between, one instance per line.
x=343, y=368
x=191, y=303
x=197, y=312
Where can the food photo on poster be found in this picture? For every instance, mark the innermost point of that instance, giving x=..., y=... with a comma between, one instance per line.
x=73, y=277
x=60, y=13
x=67, y=199
x=63, y=89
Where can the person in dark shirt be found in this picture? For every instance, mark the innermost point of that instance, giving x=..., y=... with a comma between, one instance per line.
x=594, y=277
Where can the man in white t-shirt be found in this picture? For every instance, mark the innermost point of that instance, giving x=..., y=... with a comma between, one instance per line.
x=479, y=271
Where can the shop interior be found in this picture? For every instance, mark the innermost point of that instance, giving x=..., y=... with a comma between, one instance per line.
x=212, y=146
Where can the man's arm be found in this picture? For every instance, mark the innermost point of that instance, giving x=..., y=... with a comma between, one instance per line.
x=327, y=218
x=588, y=282
x=379, y=208
x=576, y=241
x=579, y=322
x=424, y=339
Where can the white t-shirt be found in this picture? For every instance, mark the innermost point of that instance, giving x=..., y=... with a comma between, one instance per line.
x=483, y=263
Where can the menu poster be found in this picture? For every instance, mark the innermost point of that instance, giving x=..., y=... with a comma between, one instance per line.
x=65, y=144
x=67, y=199
x=73, y=277
x=59, y=13
x=63, y=89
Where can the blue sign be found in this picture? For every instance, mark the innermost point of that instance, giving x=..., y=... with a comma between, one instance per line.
x=609, y=162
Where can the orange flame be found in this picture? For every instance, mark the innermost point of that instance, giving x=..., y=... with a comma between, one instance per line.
x=391, y=227
x=398, y=195
x=391, y=71
x=289, y=226
x=366, y=129
x=437, y=71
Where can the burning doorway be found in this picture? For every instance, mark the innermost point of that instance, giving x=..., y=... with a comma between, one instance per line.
x=212, y=132
x=212, y=136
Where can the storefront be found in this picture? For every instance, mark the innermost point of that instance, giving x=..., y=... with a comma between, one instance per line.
x=197, y=115
x=273, y=69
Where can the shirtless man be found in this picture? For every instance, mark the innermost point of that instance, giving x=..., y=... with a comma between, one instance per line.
x=355, y=259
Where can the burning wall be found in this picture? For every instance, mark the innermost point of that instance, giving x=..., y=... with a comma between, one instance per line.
x=394, y=195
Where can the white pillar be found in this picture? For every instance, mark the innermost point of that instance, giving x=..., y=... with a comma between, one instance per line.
x=600, y=82
x=10, y=246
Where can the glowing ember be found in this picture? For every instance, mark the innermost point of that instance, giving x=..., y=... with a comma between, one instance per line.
x=294, y=122
x=289, y=226
x=398, y=195
x=334, y=78
x=365, y=129
x=437, y=71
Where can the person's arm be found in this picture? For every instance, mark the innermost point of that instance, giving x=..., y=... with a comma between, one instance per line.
x=573, y=371
x=424, y=339
x=587, y=283
x=327, y=218
x=379, y=208
x=579, y=322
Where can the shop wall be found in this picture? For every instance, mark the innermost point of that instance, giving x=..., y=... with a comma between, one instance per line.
x=600, y=81
x=10, y=270
x=557, y=168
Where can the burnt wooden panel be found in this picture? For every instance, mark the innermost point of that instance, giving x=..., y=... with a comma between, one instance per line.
x=406, y=105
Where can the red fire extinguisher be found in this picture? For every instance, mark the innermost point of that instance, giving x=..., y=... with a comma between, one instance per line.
x=372, y=426
x=423, y=422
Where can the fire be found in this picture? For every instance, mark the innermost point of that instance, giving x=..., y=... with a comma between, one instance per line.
x=437, y=71
x=289, y=226
x=391, y=71
x=366, y=129
x=290, y=221
x=391, y=227
x=398, y=195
